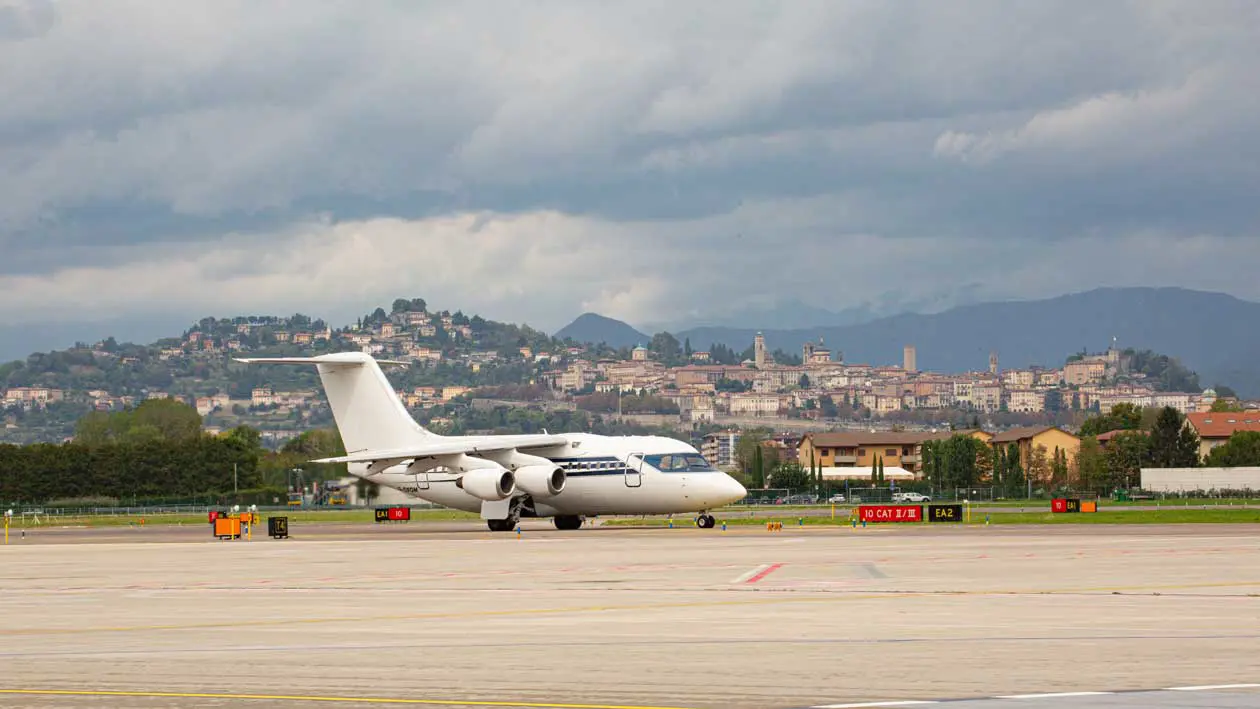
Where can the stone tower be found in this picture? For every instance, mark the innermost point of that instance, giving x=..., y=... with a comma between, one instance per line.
x=909, y=360
x=993, y=363
x=759, y=351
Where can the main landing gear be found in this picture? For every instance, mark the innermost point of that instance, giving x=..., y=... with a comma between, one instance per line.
x=568, y=522
x=515, y=510
x=705, y=521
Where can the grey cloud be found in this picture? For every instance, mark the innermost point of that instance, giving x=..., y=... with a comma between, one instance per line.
x=868, y=134
x=26, y=19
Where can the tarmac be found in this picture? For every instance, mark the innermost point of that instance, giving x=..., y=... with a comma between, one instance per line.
x=449, y=615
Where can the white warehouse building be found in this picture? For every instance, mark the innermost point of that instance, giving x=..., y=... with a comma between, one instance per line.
x=1194, y=479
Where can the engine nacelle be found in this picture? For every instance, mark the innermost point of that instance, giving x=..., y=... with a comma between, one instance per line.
x=488, y=483
x=541, y=480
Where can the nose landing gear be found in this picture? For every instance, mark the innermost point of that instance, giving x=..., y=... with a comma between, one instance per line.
x=706, y=521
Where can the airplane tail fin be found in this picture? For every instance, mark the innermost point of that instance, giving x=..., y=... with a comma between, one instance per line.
x=368, y=412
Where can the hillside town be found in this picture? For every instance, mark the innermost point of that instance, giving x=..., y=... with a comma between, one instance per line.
x=455, y=358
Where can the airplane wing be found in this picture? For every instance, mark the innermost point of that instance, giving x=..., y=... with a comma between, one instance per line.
x=470, y=445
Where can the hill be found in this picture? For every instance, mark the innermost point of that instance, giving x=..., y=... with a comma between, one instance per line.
x=1215, y=334
x=452, y=352
x=593, y=329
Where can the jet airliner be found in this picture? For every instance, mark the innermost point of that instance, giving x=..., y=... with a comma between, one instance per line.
x=566, y=476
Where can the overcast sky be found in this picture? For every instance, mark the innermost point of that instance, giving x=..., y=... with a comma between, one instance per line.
x=652, y=161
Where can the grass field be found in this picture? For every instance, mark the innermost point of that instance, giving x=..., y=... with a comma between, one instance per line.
x=1171, y=502
x=351, y=515
x=742, y=516
x=1191, y=516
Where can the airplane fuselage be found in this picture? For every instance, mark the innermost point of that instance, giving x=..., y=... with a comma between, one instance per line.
x=605, y=475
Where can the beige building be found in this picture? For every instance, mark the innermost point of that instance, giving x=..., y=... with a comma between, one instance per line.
x=896, y=449
x=1028, y=439
x=755, y=404
x=1215, y=428
x=1085, y=371
x=1026, y=401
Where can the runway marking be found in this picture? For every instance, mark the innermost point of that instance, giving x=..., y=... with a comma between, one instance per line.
x=1052, y=695
x=903, y=703
x=1208, y=687
x=304, y=698
x=758, y=573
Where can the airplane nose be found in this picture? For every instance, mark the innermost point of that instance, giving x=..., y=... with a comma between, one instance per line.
x=733, y=490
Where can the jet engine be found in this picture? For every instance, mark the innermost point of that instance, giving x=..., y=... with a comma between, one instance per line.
x=491, y=484
x=534, y=474
x=541, y=480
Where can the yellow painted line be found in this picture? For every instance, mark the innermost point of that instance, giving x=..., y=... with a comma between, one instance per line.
x=304, y=698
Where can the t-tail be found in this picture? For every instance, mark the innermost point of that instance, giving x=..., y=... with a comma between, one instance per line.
x=368, y=412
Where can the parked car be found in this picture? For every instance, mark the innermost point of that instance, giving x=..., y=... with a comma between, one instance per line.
x=836, y=499
x=911, y=497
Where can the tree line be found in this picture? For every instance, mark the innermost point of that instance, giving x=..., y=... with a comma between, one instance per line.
x=157, y=451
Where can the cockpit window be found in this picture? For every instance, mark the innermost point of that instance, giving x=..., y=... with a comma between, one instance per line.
x=679, y=463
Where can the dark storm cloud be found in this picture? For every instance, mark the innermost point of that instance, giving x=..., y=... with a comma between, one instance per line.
x=142, y=138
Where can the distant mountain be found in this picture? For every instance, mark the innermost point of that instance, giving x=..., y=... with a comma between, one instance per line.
x=1215, y=334
x=788, y=314
x=594, y=329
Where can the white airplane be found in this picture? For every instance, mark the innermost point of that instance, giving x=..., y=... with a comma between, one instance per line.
x=566, y=476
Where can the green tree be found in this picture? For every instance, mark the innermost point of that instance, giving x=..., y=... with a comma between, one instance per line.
x=666, y=347
x=984, y=463
x=1123, y=417
x=1126, y=454
x=1223, y=405
x=759, y=468
x=1173, y=444
x=747, y=449
x=790, y=475
x=1016, y=483
x=1038, y=467
x=1059, y=468
x=1091, y=465
x=1242, y=449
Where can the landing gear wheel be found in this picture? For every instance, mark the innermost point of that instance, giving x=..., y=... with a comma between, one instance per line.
x=568, y=522
x=500, y=525
x=706, y=521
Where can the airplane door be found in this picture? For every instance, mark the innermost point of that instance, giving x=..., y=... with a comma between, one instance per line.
x=634, y=470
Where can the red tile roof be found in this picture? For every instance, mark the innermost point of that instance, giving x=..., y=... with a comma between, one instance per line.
x=1224, y=424
x=1104, y=437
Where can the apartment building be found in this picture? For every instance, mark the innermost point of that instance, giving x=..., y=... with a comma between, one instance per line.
x=755, y=404
x=899, y=449
x=719, y=448
x=1026, y=401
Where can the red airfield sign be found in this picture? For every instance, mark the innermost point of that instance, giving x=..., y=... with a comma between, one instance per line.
x=890, y=513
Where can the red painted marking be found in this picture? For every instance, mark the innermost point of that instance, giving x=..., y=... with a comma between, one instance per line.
x=766, y=572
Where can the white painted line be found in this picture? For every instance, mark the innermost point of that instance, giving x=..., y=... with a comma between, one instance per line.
x=744, y=577
x=1052, y=695
x=1206, y=687
x=905, y=703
